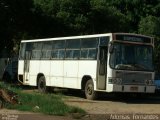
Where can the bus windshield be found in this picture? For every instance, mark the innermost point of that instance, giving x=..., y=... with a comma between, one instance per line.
x=132, y=57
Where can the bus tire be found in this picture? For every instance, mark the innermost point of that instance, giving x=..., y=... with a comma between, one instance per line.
x=42, y=85
x=89, y=90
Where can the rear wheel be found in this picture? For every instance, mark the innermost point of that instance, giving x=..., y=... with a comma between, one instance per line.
x=89, y=90
x=42, y=84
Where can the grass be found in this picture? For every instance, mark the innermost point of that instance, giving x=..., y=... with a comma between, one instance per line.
x=51, y=104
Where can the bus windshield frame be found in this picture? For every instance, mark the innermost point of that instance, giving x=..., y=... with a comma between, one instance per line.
x=132, y=57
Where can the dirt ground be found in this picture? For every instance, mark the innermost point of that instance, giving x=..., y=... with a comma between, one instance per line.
x=107, y=104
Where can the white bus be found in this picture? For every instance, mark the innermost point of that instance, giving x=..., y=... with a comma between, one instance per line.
x=113, y=62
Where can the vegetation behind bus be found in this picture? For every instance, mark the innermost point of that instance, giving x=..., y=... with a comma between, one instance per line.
x=28, y=19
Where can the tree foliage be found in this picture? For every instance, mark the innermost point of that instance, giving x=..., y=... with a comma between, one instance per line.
x=150, y=25
x=25, y=19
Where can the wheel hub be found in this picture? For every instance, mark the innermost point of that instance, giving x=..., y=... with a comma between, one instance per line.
x=89, y=89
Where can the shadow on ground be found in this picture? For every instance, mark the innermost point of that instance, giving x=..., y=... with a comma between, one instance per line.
x=129, y=98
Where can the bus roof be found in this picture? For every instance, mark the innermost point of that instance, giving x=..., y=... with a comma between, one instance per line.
x=82, y=36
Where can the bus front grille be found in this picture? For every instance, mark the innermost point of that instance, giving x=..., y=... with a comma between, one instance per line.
x=134, y=77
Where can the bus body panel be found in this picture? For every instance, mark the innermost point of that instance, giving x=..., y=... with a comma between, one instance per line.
x=45, y=70
x=20, y=67
x=66, y=74
x=70, y=73
x=87, y=67
x=57, y=73
x=34, y=70
x=32, y=80
x=71, y=69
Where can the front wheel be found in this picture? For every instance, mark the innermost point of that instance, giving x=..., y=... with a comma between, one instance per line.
x=89, y=90
x=42, y=84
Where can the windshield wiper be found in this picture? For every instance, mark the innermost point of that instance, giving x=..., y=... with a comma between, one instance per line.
x=131, y=67
x=125, y=66
x=139, y=67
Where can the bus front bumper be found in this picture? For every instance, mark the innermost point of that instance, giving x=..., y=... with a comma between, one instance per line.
x=134, y=88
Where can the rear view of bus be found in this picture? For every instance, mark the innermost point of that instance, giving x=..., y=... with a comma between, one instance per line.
x=131, y=64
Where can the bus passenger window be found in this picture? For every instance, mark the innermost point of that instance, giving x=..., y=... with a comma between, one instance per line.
x=36, y=54
x=46, y=50
x=84, y=54
x=55, y=54
x=69, y=54
x=58, y=45
x=58, y=54
x=92, y=54
x=61, y=54
x=89, y=43
x=46, y=54
x=22, y=51
x=76, y=54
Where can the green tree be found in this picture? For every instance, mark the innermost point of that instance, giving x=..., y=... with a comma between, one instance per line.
x=136, y=9
x=106, y=18
x=150, y=25
x=70, y=15
x=27, y=19
x=5, y=26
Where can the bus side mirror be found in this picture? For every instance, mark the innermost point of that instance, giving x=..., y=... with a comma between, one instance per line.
x=111, y=48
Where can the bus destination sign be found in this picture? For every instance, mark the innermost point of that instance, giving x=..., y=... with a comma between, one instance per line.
x=133, y=38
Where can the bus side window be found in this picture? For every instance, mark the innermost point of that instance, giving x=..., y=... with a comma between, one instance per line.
x=92, y=54
x=61, y=54
x=22, y=51
x=46, y=50
x=55, y=54
x=69, y=54
x=72, y=54
x=88, y=48
x=27, y=55
x=76, y=54
x=36, y=54
x=84, y=54
x=58, y=50
x=36, y=50
x=58, y=54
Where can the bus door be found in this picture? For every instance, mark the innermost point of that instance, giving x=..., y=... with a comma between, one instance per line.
x=102, y=68
x=26, y=66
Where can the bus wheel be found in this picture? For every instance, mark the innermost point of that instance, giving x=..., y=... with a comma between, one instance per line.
x=89, y=90
x=42, y=84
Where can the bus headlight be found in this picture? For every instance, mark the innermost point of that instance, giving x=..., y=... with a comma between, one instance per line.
x=118, y=81
x=114, y=80
x=149, y=82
